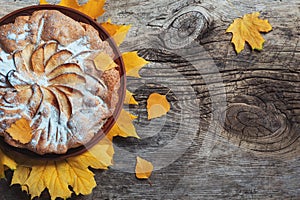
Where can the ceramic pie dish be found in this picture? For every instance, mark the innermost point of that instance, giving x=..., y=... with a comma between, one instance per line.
x=52, y=81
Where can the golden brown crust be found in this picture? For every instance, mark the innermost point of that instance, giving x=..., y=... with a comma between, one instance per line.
x=112, y=79
x=15, y=36
x=95, y=40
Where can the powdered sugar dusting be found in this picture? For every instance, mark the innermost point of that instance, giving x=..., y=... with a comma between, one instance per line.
x=6, y=63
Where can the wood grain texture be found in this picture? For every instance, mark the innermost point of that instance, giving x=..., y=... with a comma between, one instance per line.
x=234, y=126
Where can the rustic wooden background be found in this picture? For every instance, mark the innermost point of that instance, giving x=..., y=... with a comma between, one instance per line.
x=234, y=126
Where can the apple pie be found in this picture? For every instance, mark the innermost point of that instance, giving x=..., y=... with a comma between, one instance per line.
x=49, y=77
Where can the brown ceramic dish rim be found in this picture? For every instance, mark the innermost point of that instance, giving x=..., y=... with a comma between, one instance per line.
x=77, y=16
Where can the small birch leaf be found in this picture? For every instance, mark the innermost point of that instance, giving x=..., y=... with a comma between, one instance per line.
x=20, y=131
x=157, y=105
x=247, y=29
x=143, y=168
x=104, y=62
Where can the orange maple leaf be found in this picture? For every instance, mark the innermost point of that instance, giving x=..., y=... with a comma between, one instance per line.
x=247, y=29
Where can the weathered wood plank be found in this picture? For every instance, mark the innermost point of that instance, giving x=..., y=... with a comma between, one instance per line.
x=233, y=129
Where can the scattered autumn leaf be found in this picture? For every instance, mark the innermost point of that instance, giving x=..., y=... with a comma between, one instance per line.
x=20, y=131
x=133, y=63
x=157, y=105
x=247, y=29
x=117, y=32
x=6, y=161
x=104, y=62
x=129, y=99
x=93, y=8
x=143, y=168
x=124, y=126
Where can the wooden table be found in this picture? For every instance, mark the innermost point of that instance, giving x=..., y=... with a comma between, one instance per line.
x=234, y=125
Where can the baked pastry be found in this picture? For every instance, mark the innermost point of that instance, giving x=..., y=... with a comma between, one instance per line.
x=48, y=77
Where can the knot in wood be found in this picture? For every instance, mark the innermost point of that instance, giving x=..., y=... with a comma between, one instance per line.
x=186, y=26
x=258, y=126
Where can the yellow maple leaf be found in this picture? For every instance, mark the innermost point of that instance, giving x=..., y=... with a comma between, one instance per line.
x=143, y=168
x=35, y=181
x=157, y=105
x=124, y=126
x=133, y=63
x=57, y=180
x=93, y=8
x=104, y=62
x=81, y=178
x=247, y=29
x=6, y=161
x=20, y=131
x=98, y=157
x=129, y=99
x=20, y=176
x=117, y=32
x=57, y=176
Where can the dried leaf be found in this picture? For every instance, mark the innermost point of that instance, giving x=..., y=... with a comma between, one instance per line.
x=133, y=63
x=6, y=161
x=58, y=179
x=129, y=99
x=124, y=126
x=81, y=178
x=52, y=175
x=36, y=182
x=93, y=8
x=117, y=32
x=157, y=105
x=98, y=157
x=58, y=175
x=104, y=62
x=20, y=131
x=143, y=168
x=20, y=176
x=247, y=29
